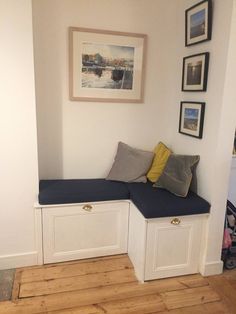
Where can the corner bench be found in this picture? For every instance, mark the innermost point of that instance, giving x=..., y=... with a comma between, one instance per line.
x=161, y=233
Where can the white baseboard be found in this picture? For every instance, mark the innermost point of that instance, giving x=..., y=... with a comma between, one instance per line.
x=212, y=268
x=18, y=260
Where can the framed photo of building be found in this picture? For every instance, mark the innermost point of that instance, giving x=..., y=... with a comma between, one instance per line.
x=195, y=72
x=106, y=66
x=198, y=23
x=191, y=118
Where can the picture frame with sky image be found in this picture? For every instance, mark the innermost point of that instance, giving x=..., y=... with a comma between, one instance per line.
x=191, y=118
x=198, y=23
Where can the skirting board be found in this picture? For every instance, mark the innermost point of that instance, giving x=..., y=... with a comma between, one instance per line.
x=212, y=268
x=18, y=260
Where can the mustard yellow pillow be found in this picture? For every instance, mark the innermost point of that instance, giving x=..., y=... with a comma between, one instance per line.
x=162, y=153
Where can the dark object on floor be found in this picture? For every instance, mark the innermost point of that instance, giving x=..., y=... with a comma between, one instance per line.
x=229, y=250
x=6, y=283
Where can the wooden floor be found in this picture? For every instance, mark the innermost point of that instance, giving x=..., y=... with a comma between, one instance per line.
x=108, y=285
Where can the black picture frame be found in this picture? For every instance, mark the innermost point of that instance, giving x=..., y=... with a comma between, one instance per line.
x=191, y=118
x=198, y=23
x=195, y=72
x=234, y=148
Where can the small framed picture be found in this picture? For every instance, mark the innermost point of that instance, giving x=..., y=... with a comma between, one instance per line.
x=198, y=23
x=195, y=71
x=191, y=118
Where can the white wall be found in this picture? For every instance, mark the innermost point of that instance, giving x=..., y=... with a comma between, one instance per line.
x=215, y=148
x=18, y=155
x=79, y=139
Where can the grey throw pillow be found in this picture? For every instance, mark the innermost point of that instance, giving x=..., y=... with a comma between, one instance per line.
x=178, y=173
x=130, y=164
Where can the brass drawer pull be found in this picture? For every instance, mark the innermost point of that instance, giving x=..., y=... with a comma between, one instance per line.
x=175, y=221
x=88, y=208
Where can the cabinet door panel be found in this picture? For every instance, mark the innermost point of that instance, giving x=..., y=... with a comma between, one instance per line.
x=74, y=233
x=172, y=250
x=173, y=247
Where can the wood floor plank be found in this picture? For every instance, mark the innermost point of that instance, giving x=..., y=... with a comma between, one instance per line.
x=16, y=285
x=189, y=297
x=194, y=281
x=138, y=305
x=28, y=269
x=232, y=283
x=225, y=290
x=76, y=283
x=93, y=309
x=209, y=308
x=75, y=269
x=230, y=274
x=65, y=300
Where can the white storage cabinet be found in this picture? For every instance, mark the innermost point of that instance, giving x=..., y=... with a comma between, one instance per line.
x=165, y=247
x=77, y=231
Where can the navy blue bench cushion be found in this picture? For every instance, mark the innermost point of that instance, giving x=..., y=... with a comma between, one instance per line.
x=79, y=191
x=152, y=202
x=155, y=202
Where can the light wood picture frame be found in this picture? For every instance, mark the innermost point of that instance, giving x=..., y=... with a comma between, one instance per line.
x=106, y=66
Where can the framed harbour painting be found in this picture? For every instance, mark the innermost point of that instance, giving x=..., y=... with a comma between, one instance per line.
x=195, y=72
x=191, y=118
x=198, y=23
x=106, y=66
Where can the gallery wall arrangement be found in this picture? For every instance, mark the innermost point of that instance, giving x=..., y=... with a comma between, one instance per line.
x=106, y=66
x=198, y=29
